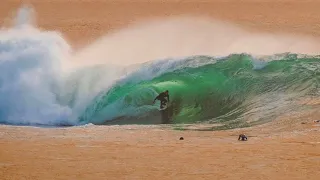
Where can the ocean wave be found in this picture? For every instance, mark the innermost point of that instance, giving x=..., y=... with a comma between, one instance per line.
x=237, y=90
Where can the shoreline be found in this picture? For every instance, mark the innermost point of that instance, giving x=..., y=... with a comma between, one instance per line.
x=136, y=152
x=287, y=147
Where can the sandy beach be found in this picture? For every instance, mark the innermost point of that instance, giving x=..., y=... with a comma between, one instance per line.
x=287, y=148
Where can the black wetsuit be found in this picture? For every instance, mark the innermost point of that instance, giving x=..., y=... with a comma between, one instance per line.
x=162, y=98
x=242, y=137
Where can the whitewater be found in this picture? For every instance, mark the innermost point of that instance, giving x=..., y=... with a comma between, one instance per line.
x=216, y=73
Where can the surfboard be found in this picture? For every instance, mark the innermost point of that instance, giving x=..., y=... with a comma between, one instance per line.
x=164, y=106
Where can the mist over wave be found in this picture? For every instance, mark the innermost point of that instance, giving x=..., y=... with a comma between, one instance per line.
x=43, y=81
x=185, y=36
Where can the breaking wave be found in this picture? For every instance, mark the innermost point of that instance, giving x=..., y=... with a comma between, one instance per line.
x=237, y=90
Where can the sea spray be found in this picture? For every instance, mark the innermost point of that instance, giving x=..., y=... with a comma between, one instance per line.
x=30, y=62
x=183, y=36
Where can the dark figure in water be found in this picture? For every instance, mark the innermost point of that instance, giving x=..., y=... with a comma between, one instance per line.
x=242, y=137
x=164, y=99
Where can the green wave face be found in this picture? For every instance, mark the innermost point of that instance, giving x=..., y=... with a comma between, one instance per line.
x=233, y=90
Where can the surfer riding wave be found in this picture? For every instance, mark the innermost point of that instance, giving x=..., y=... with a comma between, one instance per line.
x=162, y=98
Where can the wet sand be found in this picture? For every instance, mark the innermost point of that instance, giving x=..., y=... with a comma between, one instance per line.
x=287, y=148
x=284, y=149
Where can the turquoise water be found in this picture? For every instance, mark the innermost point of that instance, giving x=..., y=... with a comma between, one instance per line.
x=238, y=90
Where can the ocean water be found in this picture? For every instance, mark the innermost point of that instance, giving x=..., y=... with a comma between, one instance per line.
x=237, y=89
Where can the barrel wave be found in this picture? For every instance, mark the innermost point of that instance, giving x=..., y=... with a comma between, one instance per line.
x=238, y=90
x=37, y=86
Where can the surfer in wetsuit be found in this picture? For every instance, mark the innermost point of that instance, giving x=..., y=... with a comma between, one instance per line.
x=242, y=137
x=164, y=99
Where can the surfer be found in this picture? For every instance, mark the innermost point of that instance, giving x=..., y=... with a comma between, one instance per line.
x=242, y=137
x=162, y=98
